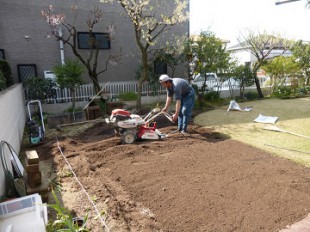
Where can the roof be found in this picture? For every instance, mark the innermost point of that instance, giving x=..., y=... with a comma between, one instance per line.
x=196, y=37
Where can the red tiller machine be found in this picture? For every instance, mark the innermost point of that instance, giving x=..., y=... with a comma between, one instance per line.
x=132, y=126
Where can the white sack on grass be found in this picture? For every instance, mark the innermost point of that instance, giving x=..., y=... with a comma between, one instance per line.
x=233, y=105
x=266, y=119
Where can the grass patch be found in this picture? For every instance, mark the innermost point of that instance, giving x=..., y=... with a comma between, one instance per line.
x=293, y=114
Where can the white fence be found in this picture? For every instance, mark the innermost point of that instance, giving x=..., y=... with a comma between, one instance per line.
x=110, y=90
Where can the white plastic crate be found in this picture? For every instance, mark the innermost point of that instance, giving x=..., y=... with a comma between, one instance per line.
x=25, y=214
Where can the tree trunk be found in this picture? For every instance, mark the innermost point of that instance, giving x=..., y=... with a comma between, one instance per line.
x=307, y=81
x=143, y=78
x=259, y=90
x=97, y=86
x=139, y=104
x=94, y=78
x=241, y=91
x=73, y=99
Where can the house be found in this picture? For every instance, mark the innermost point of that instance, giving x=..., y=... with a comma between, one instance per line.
x=27, y=44
x=245, y=57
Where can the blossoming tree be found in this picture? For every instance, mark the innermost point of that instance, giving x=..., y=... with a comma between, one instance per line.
x=67, y=33
x=150, y=20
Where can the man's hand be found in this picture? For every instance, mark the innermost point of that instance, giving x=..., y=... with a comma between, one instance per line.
x=174, y=117
x=164, y=110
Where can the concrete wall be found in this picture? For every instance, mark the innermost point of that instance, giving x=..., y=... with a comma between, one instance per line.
x=12, y=122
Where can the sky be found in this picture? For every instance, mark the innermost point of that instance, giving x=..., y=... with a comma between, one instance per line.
x=228, y=19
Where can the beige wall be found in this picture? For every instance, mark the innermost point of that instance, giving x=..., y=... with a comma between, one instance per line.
x=12, y=121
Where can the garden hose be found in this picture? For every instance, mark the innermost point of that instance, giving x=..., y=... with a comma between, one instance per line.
x=13, y=187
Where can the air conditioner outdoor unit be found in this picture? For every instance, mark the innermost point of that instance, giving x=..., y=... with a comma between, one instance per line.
x=50, y=75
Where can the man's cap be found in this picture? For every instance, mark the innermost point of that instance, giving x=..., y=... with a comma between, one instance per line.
x=164, y=78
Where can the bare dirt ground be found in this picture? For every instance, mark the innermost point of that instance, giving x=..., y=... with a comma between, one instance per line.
x=205, y=182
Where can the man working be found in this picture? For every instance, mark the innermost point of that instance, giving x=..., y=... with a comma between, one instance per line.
x=184, y=96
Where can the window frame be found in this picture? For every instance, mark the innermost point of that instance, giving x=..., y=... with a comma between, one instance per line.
x=28, y=65
x=101, y=34
x=160, y=67
x=2, y=54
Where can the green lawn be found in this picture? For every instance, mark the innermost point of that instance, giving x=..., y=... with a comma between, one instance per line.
x=293, y=116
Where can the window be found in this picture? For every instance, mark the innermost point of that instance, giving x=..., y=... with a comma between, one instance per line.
x=247, y=64
x=95, y=39
x=2, y=54
x=26, y=71
x=160, y=67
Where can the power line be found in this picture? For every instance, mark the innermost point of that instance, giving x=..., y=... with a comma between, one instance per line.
x=287, y=1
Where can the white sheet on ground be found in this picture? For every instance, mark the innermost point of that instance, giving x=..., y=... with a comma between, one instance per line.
x=266, y=119
x=233, y=105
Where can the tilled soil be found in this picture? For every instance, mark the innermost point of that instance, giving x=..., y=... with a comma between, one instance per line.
x=201, y=182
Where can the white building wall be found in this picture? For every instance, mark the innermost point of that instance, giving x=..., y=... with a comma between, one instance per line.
x=243, y=56
x=12, y=122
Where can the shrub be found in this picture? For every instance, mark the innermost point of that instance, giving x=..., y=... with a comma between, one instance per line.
x=200, y=102
x=7, y=73
x=69, y=75
x=282, y=92
x=251, y=96
x=208, y=99
x=212, y=96
x=128, y=96
x=39, y=88
x=302, y=92
x=75, y=109
x=2, y=81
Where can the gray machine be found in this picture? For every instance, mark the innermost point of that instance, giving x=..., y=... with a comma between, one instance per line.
x=35, y=124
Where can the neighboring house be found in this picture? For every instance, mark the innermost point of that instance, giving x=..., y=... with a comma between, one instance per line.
x=245, y=56
x=30, y=50
x=197, y=37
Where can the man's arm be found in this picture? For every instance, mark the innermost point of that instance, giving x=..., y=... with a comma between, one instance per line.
x=177, y=110
x=168, y=102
